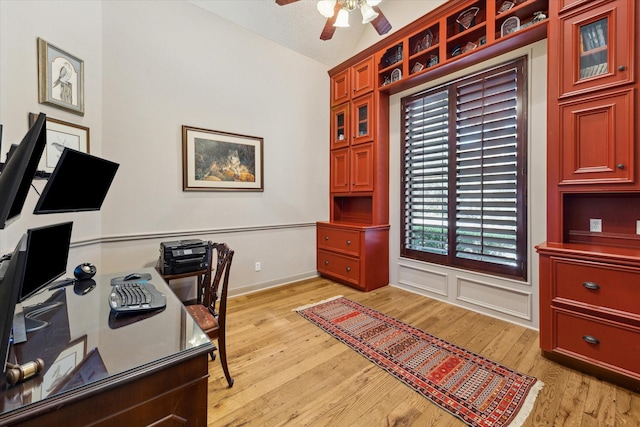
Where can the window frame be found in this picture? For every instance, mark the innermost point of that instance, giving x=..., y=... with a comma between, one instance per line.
x=520, y=270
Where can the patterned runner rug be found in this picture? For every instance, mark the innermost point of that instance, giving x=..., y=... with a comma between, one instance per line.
x=475, y=389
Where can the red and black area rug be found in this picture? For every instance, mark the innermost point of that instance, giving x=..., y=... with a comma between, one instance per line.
x=475, y=389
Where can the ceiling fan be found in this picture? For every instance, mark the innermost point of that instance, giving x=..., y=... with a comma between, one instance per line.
x=337, y=14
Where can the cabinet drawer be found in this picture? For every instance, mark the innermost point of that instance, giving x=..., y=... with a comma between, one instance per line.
x=600, y=285
x=597, y=341
x=344, y=241
x=341, y=266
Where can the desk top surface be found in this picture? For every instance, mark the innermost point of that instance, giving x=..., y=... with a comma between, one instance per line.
x=86, y=345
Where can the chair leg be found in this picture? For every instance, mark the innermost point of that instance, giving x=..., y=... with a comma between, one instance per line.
x=213, y=355
x=223, y=359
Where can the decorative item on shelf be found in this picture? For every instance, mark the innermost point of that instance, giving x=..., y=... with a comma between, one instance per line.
x=396, y=75
x=506, y=5
x=510, y=25
x=433, y=60
x=482, y=41
x=387, y=80
x=469, y=47
x=467, y=18
x=417, y=67
x=393, y=56
x=456, y=51
x=539, y=16
x=424, y=43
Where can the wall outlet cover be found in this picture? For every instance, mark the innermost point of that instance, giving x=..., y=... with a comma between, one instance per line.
x=595, y=225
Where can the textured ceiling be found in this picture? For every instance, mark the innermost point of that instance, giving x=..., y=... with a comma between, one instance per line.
x=298, y=25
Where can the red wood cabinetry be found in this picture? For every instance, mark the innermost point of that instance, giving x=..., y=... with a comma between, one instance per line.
x=590, y=275
x=358, y=182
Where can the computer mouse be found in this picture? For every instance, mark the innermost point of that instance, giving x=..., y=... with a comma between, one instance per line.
x=85, y=271
x=132, y=276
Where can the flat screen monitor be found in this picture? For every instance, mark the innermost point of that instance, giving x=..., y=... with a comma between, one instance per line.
x=47, y=255
x=11, y=275
x=79, y=182
x=19, y=170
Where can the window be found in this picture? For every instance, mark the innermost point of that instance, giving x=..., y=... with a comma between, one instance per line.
x=464, y=176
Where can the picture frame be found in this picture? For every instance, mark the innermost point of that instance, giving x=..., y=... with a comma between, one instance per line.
x=510, y=25
x=61, y=134
x=221, y=161
x=60, y=78
x=64, y=365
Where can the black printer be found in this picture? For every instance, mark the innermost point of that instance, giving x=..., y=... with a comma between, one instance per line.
x=184, y=256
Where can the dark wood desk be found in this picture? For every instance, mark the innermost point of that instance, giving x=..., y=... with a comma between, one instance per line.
x=200, y=274
x=146, y=369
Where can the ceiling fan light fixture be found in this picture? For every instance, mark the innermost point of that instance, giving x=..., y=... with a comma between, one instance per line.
x=325, y=7
x=343, y=19
x=368, y=14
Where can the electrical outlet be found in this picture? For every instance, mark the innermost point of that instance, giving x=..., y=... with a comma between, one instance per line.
x=258, y=266
x=638, y=226
x=595, y=225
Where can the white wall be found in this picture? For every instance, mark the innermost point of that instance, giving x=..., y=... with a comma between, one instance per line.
x=152, y=67
x=510, y=300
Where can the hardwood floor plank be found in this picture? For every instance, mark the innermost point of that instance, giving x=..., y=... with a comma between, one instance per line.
x=288, y=372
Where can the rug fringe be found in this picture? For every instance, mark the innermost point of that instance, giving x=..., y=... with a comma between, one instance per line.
x=304, y=307
x=527, y=406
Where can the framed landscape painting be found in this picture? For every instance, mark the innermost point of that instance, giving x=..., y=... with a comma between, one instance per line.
x=221, y=161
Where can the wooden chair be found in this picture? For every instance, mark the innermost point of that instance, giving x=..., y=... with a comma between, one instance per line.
x=211, y=320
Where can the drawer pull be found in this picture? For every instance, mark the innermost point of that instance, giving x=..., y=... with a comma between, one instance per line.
x=591, y=340
x=348, y=242
x=326, y=262
x=592, y=286
x=326, y=237
x=348, y=268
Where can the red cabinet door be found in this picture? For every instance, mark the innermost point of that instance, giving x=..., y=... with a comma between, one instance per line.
x=597, y=134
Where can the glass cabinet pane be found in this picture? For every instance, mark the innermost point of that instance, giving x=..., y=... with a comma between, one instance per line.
x=340, y=128
x=363, y=120
x=594, y=51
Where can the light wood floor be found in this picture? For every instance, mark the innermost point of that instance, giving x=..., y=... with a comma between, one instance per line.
x=288, y=371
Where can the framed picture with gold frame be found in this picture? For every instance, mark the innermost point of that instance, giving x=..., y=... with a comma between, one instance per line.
x=60, y=78
x=221, y=161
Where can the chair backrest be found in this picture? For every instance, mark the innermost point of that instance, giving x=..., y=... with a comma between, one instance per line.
x=219, y=283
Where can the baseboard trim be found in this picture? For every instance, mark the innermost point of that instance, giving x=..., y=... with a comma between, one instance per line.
x=257, y=287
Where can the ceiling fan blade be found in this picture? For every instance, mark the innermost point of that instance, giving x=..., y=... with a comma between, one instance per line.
x=329, y=29
x=285, y=2
x=381, y=24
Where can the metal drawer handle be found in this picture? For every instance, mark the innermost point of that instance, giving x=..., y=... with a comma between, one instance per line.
x=326, y=237
x=620, y=166
x=592, y=286
x=621, y=68
x=348, y=242
x=590, y=339
x=326, y=262
x=348, y=268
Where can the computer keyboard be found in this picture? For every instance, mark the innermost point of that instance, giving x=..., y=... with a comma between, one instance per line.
x=135, y=297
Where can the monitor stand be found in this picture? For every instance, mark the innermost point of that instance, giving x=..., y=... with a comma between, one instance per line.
x=25, y=321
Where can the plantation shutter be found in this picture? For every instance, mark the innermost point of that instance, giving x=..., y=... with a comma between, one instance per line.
x=486, y=141
x=426, y=169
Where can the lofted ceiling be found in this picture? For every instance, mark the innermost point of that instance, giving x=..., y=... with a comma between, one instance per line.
x=298, y=25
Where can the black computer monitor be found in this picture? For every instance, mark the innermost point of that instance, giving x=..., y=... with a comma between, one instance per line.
x=47, y=255
x=19, y=170
x=79, y=182
x=11, y=276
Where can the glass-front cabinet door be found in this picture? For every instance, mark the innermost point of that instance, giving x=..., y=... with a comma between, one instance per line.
x=600, y=47
x=340, y=126
x=362, y=113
